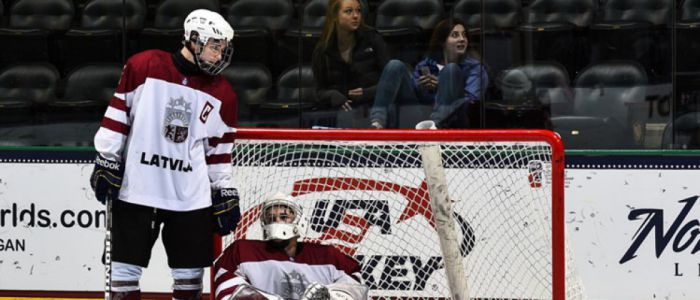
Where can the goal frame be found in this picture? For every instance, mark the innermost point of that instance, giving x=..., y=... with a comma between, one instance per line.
x=446, y=135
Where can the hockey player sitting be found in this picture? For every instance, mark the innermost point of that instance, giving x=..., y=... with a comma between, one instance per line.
x=281, y=267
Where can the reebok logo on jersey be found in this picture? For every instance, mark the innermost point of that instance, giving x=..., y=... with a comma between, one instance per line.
x=165, y=162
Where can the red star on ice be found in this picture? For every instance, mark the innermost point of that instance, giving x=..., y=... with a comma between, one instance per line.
x=418, y=203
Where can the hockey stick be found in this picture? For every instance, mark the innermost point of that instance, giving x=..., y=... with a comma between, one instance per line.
x=108, y=247
x=442, y=214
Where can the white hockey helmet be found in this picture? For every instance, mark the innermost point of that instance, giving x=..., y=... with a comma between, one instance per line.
x=274, y=230
x=201, y=25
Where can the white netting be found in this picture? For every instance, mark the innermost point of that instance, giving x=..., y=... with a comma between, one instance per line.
x=370, y=200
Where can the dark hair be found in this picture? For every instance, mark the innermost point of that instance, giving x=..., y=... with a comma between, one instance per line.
x=441, y=33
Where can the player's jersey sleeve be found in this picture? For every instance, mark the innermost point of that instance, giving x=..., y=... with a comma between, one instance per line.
x=111, y=137
x=228, y=277
x=218, y=147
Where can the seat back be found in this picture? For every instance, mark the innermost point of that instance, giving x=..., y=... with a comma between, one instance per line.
x=516, y=87
x=501, y=44
x=528, y=93
x=297, y=85
x=166, y=32
x=33, y=83
x=422, y=14
x=551, y=85
x=578, y=12
x=314, y=14
x=171, y=14
x=655, y=12
x=92, y=83
x=252, y=82
x=606, y=89
x=273, y=15
x=499, y=14
x=683, y=132
x=51, y=15
x=107, y=14
x=690, y=10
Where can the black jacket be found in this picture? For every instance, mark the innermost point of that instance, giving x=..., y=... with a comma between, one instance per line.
x=334, y=77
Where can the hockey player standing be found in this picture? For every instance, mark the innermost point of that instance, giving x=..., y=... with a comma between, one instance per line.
x=280, y=267
x=164, y=158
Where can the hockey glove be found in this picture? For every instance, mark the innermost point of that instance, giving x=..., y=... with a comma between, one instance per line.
x=106, y=178
x=226, y=210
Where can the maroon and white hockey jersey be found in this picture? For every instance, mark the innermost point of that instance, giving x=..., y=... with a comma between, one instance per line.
x=272, y=271
x=173, y=133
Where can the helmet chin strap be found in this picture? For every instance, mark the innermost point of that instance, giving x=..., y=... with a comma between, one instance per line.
x=188, y=45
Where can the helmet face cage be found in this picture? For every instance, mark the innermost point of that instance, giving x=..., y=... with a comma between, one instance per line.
x=291, y=227
x=198, y=47
x=283, y=212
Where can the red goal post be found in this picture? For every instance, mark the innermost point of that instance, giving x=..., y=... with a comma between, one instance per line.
x=358, y=188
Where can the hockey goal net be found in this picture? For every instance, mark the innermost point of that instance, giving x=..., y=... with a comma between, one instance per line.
x=367, y=193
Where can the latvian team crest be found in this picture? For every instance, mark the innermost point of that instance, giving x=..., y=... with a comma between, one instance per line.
x=177, y=120
x=292, y=286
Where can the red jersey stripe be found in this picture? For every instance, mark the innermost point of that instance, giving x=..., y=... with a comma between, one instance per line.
x=227, y=138
x=219, y=159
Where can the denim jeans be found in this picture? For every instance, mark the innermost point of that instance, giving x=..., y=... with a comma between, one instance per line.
x=395, y=88
x=450, y=93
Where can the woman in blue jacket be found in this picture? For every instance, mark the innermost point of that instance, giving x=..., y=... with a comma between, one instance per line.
x=447, y=78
